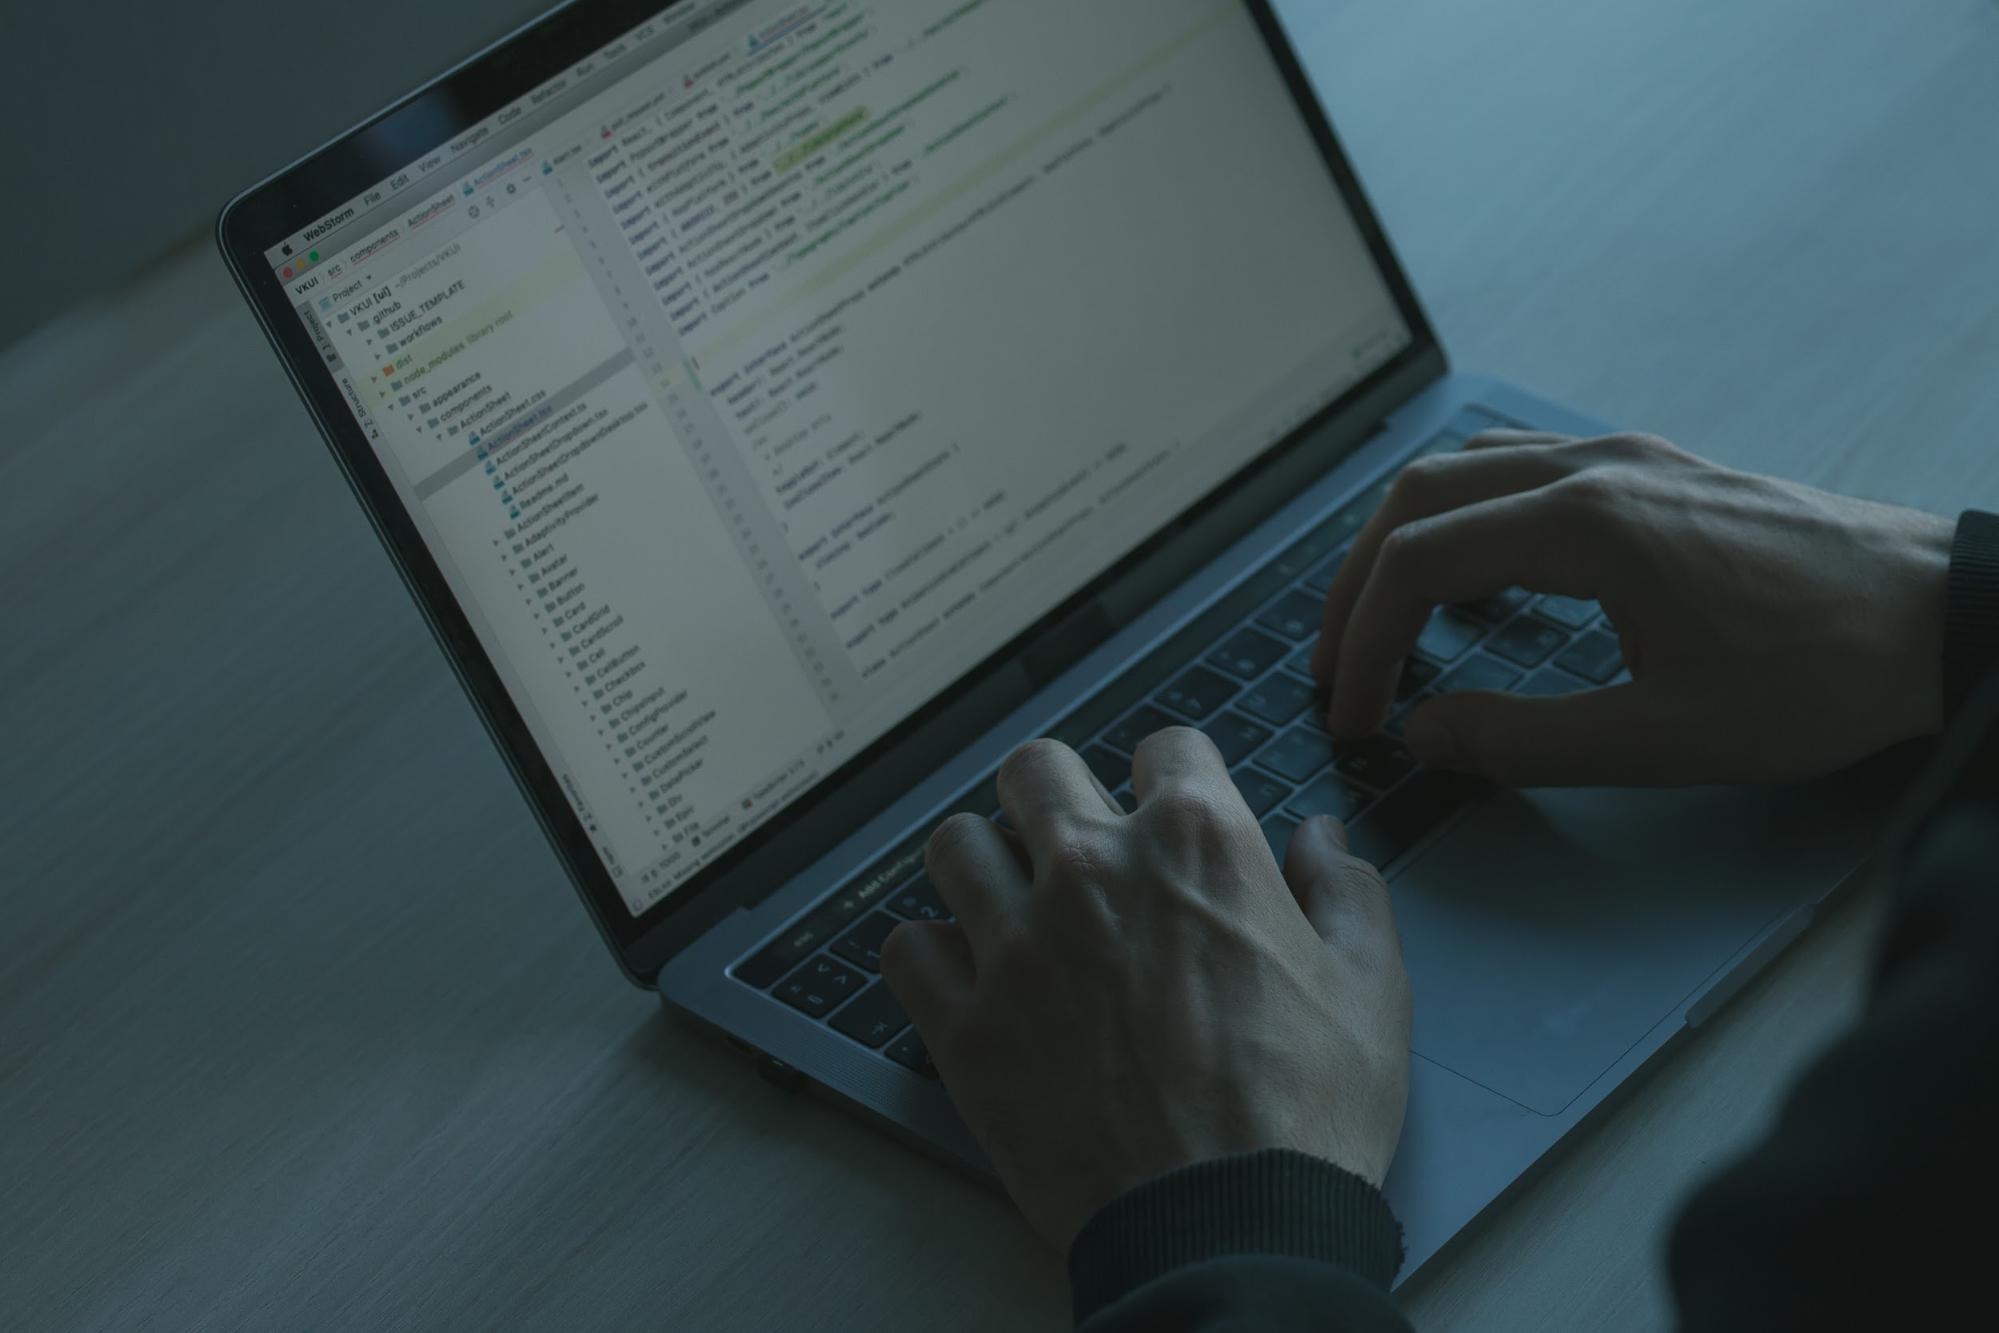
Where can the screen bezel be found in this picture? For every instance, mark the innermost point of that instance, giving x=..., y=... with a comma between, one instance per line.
x=387, y=142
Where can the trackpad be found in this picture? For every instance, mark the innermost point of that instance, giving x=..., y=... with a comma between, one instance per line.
x=1550, y=931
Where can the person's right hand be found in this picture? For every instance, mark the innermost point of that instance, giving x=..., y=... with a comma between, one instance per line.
x=1772, y=631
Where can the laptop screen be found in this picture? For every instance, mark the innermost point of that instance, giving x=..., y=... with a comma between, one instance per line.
x=758, y=377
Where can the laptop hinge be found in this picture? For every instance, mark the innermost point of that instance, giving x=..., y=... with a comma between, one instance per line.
x=1065, y=645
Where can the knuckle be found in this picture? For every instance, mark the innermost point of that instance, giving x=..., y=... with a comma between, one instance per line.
x=1637, y=442
x=1588, y=495
x=1631, y=447
x=1187, y=807
x=1193, y=820
x=1077, y=855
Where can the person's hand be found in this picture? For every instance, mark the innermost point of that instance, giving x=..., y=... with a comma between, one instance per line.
x=1772, y=631
x=1120, y=996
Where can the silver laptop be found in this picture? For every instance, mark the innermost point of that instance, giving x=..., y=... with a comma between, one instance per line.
x=782, y=410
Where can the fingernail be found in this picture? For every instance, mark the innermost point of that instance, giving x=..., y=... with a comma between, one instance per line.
x=1431, y=741
x=1334, y=829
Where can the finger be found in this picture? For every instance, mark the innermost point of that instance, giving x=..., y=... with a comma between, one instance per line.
x=1504, y=439
x=1178, y=758
x=1343, y=897
x=1300, y=861
x=1527, y=539
x=1047, y=791
x=1433, y=485
x=1625, y=736
x=977, y=873
x=928, y=966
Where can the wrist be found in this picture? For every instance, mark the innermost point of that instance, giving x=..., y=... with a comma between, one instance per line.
x=1971, y=608
x=1273, y=1202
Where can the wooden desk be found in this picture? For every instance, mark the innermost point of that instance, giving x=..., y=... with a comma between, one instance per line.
x=299, y=1023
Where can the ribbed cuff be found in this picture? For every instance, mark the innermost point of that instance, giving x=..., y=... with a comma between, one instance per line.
x=1971, y=609
x=1273, y=1202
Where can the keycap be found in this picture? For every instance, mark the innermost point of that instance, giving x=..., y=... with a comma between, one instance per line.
x=1596, y=656
x=918, y=901
x=1301, y=660
x=862, y=946
x=1260, y=791
x=858, y=897
x=1248, y=654
x=1378, y=761
x=872, y=1019
x=1568, y=612
x=1448, y=636
x=783, y=953
x=1196, y=695
x=1479, y=673
x=818, y=986
x=1330, y=795
x=1316, y=545
x=1320, y=580
x=1294, y=615
x=1496, y=608
x=1135, y=727
x=1549, y=683
x=1277, y=699
x=1298, y=754
x=1277, y=831
x=1416, y=676
x=1527, y=641
x=1402, y=818
x=909, y=1052
x=1112, y=769
x=1236, y=736
x=1315, y=720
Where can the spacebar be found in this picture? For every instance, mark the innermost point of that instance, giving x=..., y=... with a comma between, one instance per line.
x=1409, y=812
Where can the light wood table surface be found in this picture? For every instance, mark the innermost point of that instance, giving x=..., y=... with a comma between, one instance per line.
x=300, y=1025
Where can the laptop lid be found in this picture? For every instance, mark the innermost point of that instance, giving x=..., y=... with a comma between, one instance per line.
x=763, y=398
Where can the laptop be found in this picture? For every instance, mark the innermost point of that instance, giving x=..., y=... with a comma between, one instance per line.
x=782, y=409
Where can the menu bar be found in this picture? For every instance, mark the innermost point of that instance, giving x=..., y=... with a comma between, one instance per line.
x=301, y=252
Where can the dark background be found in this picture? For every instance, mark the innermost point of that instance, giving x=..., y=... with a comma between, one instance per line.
x=300, y=1023
x=129, y=125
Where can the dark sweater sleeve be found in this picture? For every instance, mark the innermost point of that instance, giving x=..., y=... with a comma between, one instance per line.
x=1869, y=1204
x=1266, y=1240
x=1971, y=608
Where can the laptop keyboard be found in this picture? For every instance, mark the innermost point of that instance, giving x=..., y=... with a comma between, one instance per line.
x=1241, y=673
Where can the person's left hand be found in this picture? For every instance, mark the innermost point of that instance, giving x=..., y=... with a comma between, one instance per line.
x=1124, y=995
